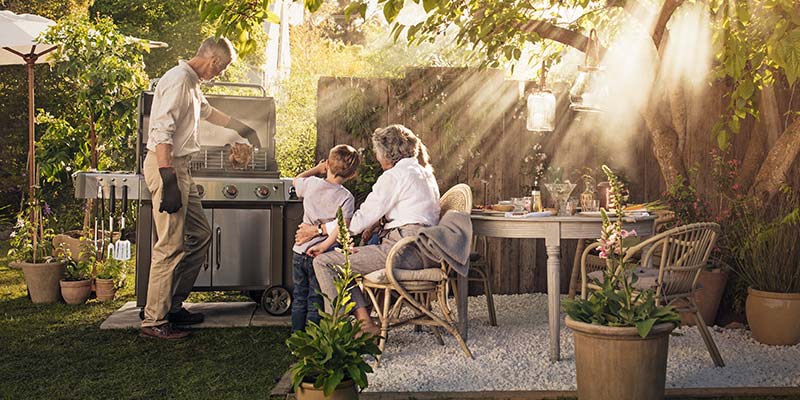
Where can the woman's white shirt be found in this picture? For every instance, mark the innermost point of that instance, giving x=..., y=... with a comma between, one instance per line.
x=405, y=194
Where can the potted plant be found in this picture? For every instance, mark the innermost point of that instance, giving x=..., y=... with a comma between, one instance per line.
x=110, y=277
x=32, y=252
x=621, y=335
x=764, y=247
x=77, y=283
x=330, y=355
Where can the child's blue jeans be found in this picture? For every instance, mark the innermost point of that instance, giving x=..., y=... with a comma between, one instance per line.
x=306, y=294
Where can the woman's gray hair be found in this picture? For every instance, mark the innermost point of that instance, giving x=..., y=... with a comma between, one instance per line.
x=396, y=142
x=217, y=47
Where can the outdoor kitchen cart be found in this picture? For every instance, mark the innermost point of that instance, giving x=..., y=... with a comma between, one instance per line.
x=253, y=213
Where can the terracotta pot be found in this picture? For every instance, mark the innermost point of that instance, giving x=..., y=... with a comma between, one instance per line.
x=76, y=292
x=42, y=280
x=774, y=318
x=708, y=296
x=72, y=241
x=616, y=363
x=105, y=289
x=345, y=391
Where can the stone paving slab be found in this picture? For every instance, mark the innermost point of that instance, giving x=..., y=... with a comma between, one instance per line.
x=218, y=315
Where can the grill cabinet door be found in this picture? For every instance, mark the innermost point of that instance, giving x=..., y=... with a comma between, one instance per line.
x=242, y=248
x=204, y=276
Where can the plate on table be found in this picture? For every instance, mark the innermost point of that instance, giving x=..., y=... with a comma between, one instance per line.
x=487, y=212
x=596, y=213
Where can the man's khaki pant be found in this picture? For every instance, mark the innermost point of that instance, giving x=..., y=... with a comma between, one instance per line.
x=180, y=249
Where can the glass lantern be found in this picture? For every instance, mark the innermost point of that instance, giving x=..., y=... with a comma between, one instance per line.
x=590, y=88
x=541, y=111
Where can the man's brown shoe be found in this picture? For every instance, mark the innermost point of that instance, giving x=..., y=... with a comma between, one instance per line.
x=166, y=332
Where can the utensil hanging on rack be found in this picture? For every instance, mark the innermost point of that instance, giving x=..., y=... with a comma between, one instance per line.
x=122, y=249
x=111, y=198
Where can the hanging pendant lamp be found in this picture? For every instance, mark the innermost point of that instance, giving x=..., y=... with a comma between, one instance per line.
x=541, y=108
x=589, y=89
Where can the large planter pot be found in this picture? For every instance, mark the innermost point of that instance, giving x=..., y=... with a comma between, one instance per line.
x=345, y=391
x=42, y=280
x=616, y=363
x=76, y=292
x=774, y=318
x=105, y=289
x=711, y=287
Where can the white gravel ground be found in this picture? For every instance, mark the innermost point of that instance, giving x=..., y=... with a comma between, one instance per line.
x=513, y=356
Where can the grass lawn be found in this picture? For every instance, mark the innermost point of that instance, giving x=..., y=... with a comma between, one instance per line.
x=57, y=351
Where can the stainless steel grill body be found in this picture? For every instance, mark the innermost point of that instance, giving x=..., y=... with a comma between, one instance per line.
x=252, y=212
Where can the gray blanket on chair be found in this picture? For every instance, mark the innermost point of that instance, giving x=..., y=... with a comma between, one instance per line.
x=450, y=241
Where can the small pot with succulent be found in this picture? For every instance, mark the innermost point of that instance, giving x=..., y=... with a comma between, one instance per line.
x=330, y=355
x=77, y=284
x=621, y=334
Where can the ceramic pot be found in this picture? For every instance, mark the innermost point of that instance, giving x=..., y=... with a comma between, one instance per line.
x=76, y=292
x=774, y=318
x=345, y=391
x=708, y=296
x=106, y=289
x=616, y=363
x=42, y=280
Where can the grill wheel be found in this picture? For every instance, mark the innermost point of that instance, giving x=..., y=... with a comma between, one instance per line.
x=276, y=300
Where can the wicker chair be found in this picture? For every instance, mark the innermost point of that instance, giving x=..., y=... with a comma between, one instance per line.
x=416, y=289
x=680, y=254
x=664, y=219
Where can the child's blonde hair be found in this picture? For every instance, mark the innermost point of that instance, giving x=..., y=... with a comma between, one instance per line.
x=343, y=161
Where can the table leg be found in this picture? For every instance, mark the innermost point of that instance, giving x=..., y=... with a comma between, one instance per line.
x=462, y=282
x=554, y=299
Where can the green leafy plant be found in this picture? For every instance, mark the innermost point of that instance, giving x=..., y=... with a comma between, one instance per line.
x=334, y=349
x=617, y=303
x=764, y=243
x=111, y=268
x=31, y=240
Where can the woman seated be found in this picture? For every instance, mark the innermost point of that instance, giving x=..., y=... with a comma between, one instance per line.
x=406, y=196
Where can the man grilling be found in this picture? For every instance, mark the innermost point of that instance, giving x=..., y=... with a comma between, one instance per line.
x=182, y=228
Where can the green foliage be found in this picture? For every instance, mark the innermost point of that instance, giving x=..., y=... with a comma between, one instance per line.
x=617, y=303
x=32, y=239
x=77, y=270
x=175, y=22
x=682, y=199
x=237, y=20
x=106, y=73
x=763, y=242
x=110, y=268
x=333, y=350
x=758, y=43
x=47, y=8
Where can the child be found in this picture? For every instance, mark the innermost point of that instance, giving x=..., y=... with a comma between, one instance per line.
x=321, y=199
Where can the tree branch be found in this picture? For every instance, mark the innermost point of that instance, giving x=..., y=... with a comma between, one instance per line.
x=667, y=9
x=554, y=32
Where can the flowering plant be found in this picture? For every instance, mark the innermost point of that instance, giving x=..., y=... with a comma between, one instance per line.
x=617, y=302
x=30, y=241
x=333, y=350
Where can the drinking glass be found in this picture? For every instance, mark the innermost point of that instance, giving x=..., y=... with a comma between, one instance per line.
x=593, y=205
x=518, y=204
x=571, y=206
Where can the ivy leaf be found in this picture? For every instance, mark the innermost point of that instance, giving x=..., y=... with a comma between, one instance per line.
x=429, y=5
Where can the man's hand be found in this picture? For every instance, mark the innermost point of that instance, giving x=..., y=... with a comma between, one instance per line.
x=244, y=131
x=316, y=249
x=305, y=232
x=170, y=193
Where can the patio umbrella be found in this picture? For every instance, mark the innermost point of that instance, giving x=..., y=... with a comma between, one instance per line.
x=18, y=35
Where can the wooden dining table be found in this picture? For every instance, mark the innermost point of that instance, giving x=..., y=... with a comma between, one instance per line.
x=552, y=230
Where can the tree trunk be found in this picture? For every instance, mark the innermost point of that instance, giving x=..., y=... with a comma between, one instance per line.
x=781, y=156
x=665, y=146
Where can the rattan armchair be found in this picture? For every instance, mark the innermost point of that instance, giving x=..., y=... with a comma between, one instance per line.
x=680, y=254
x=391, y=289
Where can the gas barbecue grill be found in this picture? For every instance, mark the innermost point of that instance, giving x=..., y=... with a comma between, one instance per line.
x=253, y=213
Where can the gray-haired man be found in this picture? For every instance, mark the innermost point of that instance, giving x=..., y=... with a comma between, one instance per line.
x=183, y=232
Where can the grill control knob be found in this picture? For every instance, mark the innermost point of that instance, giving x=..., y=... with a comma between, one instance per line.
x=201, y=190
x=262, y=192
x=230, y=191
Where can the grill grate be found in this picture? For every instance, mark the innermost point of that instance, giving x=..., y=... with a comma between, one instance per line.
x=217, y=160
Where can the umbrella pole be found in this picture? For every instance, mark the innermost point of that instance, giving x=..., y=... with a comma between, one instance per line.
x=31, y=134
